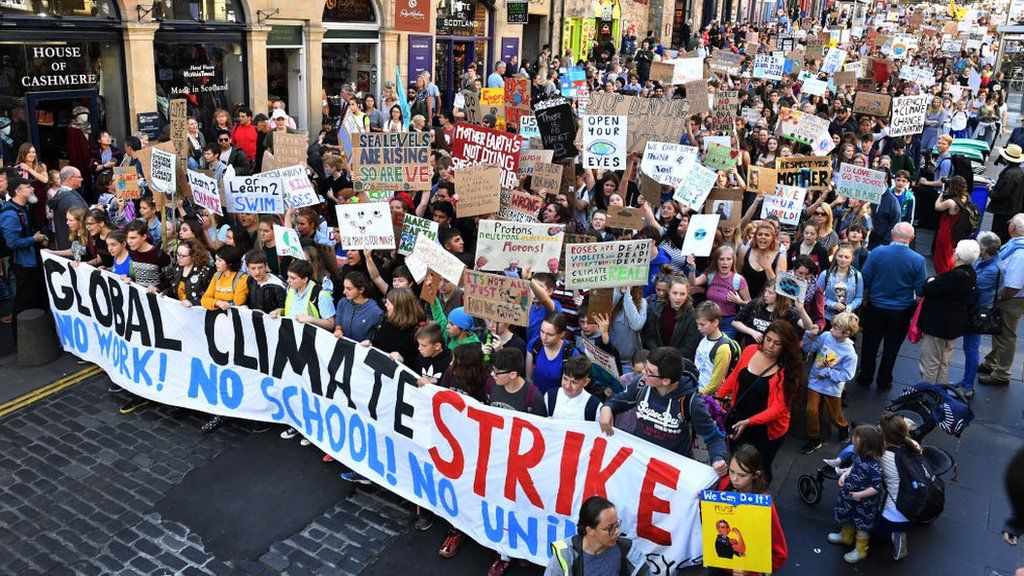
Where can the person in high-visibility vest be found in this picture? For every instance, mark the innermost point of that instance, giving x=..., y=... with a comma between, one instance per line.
x=598, y=546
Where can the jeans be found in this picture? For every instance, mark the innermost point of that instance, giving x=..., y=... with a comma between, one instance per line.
x=972, y=343
x=890, y=327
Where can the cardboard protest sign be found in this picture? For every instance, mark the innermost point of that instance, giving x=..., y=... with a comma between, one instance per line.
x=786, y=204
x=649, y=118
x=720, y=157
x=662, y=72
x=604, y=142
x=724, y=62
x=205, y=192
x=256, y=194
x=833, y=61
x=815, y=87
x=761, y=179
x=391, y=161
x=438, y=259
x=696, y=187
x=789, y=286
x=625, y=217
x=530, y=157
x=923, y=77
x=861, y=183
x=600, y=358
x=908, y=114
x=431, y=284
x=800, y=126
x=686, y=69
x=700, y=234
x=492, y=101
x=298, y=190
x=478, y=188
x=601, y=300
x=607, y=264
x=650, y=189
x=126, y=182
x=413, y=227
x=546, y=177
x=528, y=126
x=473, y=145
x=496, y=297
x=845, y=79
x=723, y=115
x=811, y=172
x=727, y=204
x=667, y=163
x=365, y=226
x=286, y=242
x=519, y=206
x=737, y=531
x=503, y=245
x=557, y=124
x=769, y=66
x=472, y=108
x=871, y=104
x=290, y=149
x=516, y=99
x=178, y=128
x=162, y=171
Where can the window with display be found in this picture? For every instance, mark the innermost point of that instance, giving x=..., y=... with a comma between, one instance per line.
x=210, y=75
x=199, y=10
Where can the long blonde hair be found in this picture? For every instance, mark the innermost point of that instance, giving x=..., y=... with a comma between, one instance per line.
x=81, y=235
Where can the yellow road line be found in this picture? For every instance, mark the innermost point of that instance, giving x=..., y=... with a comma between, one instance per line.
x=50, y=389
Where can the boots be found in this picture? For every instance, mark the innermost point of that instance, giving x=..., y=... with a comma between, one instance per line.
x=844, y=536
x=860, y=552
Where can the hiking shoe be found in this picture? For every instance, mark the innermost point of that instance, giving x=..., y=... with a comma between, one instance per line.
x=355, y=478
x=899, y=545
x=289, y=433
x=212, y=424
x=984, y=368
x=990, y=380
x=425, y=520
x=810, y=446
x=114, y=388
x=499, y=568
x=132, y=405
x=451, y=544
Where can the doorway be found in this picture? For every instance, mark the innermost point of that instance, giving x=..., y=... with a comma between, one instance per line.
x=50, y=122
x=453, y=57
x=286, y=81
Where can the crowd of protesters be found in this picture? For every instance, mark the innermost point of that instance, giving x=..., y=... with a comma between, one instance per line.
x=712, y=356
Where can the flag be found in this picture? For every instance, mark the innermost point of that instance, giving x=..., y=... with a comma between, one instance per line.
x=403, y=102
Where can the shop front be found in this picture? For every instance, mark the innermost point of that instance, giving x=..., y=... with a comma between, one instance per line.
x=351, y=49
x=600, y=21
x=286, y=71
x=462, y=41
x=61, y=70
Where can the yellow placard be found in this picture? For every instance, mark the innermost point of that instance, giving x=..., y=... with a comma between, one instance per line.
x=737, y=530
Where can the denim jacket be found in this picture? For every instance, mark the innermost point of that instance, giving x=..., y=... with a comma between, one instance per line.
x=18, y=235
x=854, y=291
x=990, y=273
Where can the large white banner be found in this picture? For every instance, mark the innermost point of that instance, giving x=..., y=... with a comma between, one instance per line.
x=512, y=481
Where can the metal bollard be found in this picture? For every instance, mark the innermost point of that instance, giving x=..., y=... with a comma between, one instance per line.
x=37, y=338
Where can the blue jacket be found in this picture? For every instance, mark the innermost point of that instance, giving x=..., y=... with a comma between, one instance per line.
x=894, y=276
x=885, y=216
x=18, y=235
x=854, y=291
x=990, y=274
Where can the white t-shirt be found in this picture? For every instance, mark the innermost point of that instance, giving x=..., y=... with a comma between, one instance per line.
x=705, y=365
x=570, y=408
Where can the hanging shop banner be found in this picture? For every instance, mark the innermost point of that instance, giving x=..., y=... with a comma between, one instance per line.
x=413, y=16
x=811, y=172
x=364, y=409
x=497, y=297
x=365, y=226
x=908, y=114
x=667, y=163
x=478, y=188
x=52, y=67
x=516, y=245
x=517, y=12
x=205, y=192
x=607, y=264
x=649, y=118
x=473, y=145
x=391, y=161
x=257, y=194
x=696, y=187
x=604, y=142
x=557, y=124
x=786, y=204
x=861, y=183
x=413, y=227
x=737, y=530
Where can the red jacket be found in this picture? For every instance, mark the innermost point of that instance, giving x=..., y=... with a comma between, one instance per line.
x=780, y=552
x=776, y=414
x=244, y=138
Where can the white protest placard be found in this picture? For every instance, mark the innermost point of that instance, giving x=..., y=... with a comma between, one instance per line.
x=298, y=190
x=700, y=234
x=684, y=69
x=786, y=204
x=769, y=66
x=528, y=127
x=861, y=183
x=921, y=76
x=162, y=171
x=256, y=194
x=438, y=259
x=667, y=163
x=504, y=245
x=604, y=142
x=908, y=115
x=789, y=286
x=600, y=358
x=815, y=87
x=695, y=187
x=412, y=228
x=286, y=242
x=402, y=442
x=833, y=61
x=365, y=226
x=205, y=192
x=607, y=264
x=974, y=80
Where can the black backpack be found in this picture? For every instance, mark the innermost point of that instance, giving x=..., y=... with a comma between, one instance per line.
x=960, y=165
x=922, y=495
x=968, y=221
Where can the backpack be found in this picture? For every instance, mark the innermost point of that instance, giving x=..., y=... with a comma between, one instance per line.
x=734, y=350
x=960, y=165
x=531, y=394
x=968, y=221
x=922, y=494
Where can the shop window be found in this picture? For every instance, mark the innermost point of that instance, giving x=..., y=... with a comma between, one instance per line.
x=349, y=11
x=199, y=10
x=210, y=75
x=349, y=64
x=62, y=8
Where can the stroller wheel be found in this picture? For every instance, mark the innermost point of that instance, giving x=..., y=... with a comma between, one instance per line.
x=810, y=490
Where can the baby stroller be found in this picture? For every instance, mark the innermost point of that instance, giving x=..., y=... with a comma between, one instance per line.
x=924, y=406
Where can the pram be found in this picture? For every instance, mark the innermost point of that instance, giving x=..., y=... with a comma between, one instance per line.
x=924, y=406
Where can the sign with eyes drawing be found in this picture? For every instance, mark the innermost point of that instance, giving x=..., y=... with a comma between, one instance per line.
x=366, y=226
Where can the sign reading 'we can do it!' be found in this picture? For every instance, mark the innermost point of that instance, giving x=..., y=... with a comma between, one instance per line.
x=604, y=142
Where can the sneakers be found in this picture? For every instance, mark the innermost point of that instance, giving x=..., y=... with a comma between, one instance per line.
x=212, y=424
x=810, y=446
x=114, y=388
x=289, y=433
x=833, y=462
x=499, y=567
x=844, y=436
x=355, y=478
x=425, y=520
x=132, y=405
x=328, y=458
x=899, y=545
x=452, y=543
x=304, y=442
